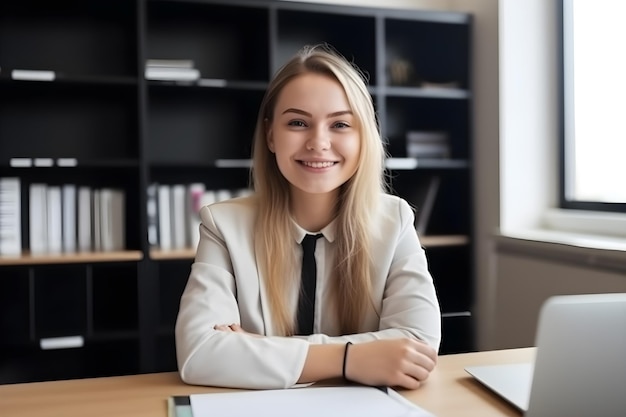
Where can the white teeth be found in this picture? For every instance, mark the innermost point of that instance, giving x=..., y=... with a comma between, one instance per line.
x=318, y=164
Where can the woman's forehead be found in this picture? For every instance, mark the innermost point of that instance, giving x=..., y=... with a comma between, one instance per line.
x=312, y=92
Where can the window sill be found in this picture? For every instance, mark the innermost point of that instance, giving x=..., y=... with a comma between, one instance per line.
x=586, y=223
x=573, y=248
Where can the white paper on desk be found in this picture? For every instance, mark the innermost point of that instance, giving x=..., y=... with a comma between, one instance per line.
x=306, y=402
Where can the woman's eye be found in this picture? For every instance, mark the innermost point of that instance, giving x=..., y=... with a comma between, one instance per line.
x=341, y=125
x=297, y=123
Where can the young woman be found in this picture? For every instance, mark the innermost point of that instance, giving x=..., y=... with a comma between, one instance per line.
x=318, y=168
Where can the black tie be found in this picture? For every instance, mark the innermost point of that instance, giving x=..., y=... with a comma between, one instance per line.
x=306, y=302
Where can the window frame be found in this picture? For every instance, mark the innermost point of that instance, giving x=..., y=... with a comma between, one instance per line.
x=564, y=42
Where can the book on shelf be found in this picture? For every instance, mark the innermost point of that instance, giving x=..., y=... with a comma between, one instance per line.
x=54, y=219
x=172, y=74
x=401, y=163
x=112, y=220
x=165, y=228
x=85, y=219
x=195, y=191
x=32, y=75
x=179, y=216
x=173, y=212
x=427, y=144
x=171, y=70
x=170, y=63
x=10, y=216
x=97, y=229
x=69, y=217
x=152, y=210
x=38, y=218
x=208, y=197
x=427, y=150
x=233, y=163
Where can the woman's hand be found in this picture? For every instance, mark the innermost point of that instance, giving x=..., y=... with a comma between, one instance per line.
x=405, y=363
x=236, y=328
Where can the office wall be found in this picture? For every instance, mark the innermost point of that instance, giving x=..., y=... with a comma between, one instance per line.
x=522, y=273
x=526, y=277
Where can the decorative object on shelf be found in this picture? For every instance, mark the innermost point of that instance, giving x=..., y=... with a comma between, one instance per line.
x=427, y=144
x=402, y=73
x=171, y=70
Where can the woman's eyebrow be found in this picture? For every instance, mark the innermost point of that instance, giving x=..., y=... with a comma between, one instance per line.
x=293, y=110
x=305, y=113
x=339, y=113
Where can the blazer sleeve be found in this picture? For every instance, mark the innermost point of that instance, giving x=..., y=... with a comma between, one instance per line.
x=211, y=357
x=410, y=306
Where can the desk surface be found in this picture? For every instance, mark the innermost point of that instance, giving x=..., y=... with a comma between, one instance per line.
x=449, y=391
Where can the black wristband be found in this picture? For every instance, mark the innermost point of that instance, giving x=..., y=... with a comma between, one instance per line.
x=345, y=359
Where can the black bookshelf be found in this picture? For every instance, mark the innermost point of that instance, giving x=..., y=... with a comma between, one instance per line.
x=80, y=94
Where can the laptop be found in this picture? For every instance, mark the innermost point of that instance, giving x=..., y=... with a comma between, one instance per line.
x=580, y=363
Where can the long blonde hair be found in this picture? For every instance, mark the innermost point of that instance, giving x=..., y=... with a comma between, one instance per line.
x=357, y=202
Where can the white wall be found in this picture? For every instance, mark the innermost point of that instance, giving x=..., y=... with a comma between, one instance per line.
x=526, y=271
x=528, y=111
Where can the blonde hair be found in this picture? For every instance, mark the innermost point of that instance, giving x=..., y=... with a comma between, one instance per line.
x=357, y=202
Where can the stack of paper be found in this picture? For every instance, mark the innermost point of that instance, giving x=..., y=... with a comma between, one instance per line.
x=342, y=401
x=171, y=70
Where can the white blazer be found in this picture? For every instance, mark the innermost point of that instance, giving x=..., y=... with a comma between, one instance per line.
x=225, y=287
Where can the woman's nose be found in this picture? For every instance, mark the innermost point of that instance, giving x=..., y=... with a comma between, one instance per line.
x=319, y=140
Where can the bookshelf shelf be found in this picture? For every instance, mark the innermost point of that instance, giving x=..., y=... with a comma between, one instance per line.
x=418, y=163
x=432, y=92
x=160, y=255
x=430, y=241
x=91, y=257
x=101, y=123
x=67, y=163
x=210, y=83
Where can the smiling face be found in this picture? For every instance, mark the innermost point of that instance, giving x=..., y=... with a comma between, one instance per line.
x=314, y=135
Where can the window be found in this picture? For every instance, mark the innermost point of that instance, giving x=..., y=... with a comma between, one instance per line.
x=593, y=144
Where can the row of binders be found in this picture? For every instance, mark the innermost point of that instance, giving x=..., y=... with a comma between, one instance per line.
x=174, y=212
x=68, y=218
x=61, y=218
x=155, y=69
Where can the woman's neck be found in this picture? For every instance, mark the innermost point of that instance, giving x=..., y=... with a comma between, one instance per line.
x=313, y=212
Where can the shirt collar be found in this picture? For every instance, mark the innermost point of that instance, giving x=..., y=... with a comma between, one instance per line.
x=328, y=232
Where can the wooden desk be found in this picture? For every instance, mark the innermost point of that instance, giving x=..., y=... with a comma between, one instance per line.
x=449, y=391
